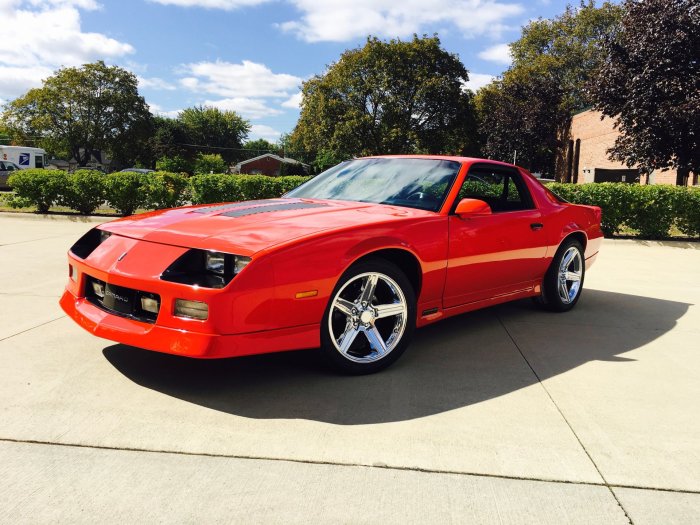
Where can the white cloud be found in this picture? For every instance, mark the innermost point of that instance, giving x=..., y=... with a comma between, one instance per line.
x=247, y=79
x=261, y=131
x=477, y=81
x=156, y=109
x=156, y=83
x=499, y=53
x=342, y=20
x=247, y=107
x=245, y=88
x=227, y=5
x=293, y=102
x=39, y=36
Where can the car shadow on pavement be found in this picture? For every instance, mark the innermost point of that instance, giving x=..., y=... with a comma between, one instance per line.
x=455, y=363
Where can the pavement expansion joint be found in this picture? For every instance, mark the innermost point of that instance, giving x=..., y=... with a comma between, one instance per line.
x=343, y=464
x=32, y=328
x=561, y=413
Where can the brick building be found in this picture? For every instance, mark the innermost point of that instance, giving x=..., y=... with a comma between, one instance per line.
x=270, y=164
x=585, y=157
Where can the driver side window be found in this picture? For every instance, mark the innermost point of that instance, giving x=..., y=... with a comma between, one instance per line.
x=502, y=189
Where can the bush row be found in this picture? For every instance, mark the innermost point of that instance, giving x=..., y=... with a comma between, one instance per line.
x=86, y=190
x=651, y=210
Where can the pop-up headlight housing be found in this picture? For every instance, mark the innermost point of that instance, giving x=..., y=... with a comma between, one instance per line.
x=208, y=269
x=88, y=242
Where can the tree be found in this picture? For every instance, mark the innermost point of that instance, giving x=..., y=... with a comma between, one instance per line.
x=82, y=112
x=568, y=48
x=258, y=147
x=519, y=116
x=387, y=97
x=218, y=131
x=531, y=105
x=210, y=163
x=650, y=83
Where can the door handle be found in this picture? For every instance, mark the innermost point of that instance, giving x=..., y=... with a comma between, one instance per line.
x=535, y=226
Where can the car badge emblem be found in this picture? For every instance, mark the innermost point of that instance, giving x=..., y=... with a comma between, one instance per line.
x=122, y=256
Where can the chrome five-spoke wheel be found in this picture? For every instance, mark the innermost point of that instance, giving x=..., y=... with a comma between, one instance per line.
x=563, y=282
x=370, y=316
x=356, y=323
x=570, y=273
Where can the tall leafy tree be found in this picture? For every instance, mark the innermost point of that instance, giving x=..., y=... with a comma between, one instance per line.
x=82, y=112
x=254, y=148
x=518, y=118
x=218, y=131
x=553, y=61
x=568, y=48
x=650, y=83
x=387, y=97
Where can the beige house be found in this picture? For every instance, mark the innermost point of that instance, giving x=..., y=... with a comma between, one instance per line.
x=585, y=157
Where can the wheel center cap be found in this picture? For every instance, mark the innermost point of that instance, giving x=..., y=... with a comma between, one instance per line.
x=366, y=317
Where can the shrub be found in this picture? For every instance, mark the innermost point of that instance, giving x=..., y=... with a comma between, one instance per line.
x=37, y=187
x=290, y=182
x=652, y=211
x=84, y=191
x=209, y=163
x=176, y=164
x=166, y=190
x=210, y=188
x=127, y=191
x=615, y=199
x=687, y=211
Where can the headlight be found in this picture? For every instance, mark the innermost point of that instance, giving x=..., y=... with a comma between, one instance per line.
x=215, y=262
x=208, y=269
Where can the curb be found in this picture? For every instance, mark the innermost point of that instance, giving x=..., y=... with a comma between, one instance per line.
x=55, y=217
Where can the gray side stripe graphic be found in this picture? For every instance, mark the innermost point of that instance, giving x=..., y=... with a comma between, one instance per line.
x=277, y=207
x=234, y=205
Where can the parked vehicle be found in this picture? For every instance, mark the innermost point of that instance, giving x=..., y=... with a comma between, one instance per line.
x=6, y=169
x=351, y=261
x=24, y=157
x=137, y=170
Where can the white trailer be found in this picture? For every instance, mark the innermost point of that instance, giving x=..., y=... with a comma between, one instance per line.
x=24, y=157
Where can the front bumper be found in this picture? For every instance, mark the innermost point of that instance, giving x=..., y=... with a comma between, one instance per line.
x=239, y=321
x=185, y=342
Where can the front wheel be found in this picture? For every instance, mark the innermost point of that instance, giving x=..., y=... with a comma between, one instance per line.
x=563, y=282
x=370, y=318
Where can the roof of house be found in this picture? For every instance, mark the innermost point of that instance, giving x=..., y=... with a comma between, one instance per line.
x=286, y=160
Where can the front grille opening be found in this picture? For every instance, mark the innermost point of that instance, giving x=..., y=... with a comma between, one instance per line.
x=124, y=302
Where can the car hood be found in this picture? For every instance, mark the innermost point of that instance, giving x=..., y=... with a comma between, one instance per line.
x=251, y=226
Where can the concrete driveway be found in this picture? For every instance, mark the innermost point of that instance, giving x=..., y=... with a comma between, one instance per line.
x=507, y=415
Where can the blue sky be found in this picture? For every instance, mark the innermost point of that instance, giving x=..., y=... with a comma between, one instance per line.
x=247, y=55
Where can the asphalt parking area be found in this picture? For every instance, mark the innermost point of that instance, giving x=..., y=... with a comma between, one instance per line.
x=505, y=415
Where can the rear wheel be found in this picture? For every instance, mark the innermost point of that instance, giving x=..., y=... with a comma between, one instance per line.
x=370, y=318
x=563, y=282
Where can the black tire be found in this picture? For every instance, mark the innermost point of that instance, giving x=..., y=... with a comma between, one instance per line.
x=353, y=282
x=551, y=298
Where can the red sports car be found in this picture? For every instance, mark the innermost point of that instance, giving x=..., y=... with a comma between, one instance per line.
x=351, y=262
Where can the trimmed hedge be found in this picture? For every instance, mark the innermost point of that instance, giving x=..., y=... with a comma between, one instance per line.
x=649, y=209
x=207, y=189
x=86, y=190
x=37, y=187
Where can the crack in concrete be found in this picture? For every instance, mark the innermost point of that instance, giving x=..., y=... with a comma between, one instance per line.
x=344, y=464
x=30, y=329
x=561, y=413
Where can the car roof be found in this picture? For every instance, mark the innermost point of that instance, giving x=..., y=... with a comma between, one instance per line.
x=454, y=158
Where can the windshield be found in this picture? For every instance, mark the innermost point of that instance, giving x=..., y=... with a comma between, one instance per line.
x=414, y=183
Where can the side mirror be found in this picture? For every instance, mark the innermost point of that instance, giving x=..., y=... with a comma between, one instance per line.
x=471, y=207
